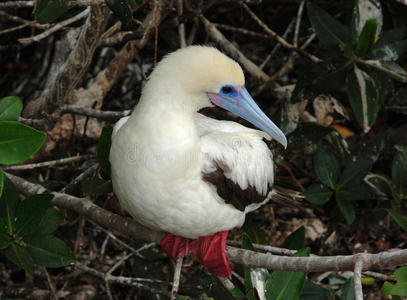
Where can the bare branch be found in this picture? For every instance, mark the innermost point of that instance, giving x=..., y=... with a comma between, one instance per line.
x=177, y=276
x=129, y=228
x=50, y=163
x=181, y=26
x=59, y=26
x=357, y=279
x=90, y=112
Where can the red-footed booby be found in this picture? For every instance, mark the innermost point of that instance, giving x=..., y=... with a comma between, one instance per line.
x=179, y=171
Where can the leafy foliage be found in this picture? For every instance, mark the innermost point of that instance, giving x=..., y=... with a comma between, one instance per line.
x=399, y=289
x=26, y=226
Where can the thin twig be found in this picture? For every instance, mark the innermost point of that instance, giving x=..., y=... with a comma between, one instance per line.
x=181, y=26
x=50, y=163
x=176, y=278
x=267, y=248
x=279, y=39
x=379, y=276
x=357, y=279
x=298, y=23
x=94, y=113
x=28, y=4
x=50, y=284
x=59, y=26
x=88, y=173
x=226, y=283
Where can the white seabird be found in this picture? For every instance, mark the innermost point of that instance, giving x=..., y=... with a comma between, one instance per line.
x=179, y=171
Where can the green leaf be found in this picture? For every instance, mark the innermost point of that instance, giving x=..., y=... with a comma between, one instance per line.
x=132, y=3
x=390, y=46
x=318, y=194
x=259, y=278
x=50, y=222
x=295, y=240
x=363, y=11
x=380, y=184
x=355, y=192
x=347, y=291
x=20, y=256
x=4, y=238
x=8, y=205
x=346, y=207
x=355, y=172
x=46, y=11
x=1, y=181
x=286, y=285
x=213, y=288
x=371, y=148
x=399, y=170
x=400, y=288
x=366, y=38
x=391, y=68
x=314, y=291
x=402, y=221
x=96, y=187
x=30, y=213
x=18, y=142
x=363, y=97
x=49, y=251
x=329, y=31
x=103, y=149
x=247, y=244
x=121, y=9
x=10, y=108
x=326, y=167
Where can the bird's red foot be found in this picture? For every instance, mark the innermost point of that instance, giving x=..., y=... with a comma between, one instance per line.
x=210, y=251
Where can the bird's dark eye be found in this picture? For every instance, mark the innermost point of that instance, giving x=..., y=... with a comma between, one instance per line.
x=227, y=89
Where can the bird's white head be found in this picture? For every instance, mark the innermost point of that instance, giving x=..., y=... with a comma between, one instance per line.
x=196, y=77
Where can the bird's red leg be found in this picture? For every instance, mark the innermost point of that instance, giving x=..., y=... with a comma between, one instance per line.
x=175, y=246
x=211, y=252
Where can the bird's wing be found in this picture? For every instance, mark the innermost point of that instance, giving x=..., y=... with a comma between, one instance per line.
x=236, y=161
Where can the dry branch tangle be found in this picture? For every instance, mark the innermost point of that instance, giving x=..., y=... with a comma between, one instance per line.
x=130, y=228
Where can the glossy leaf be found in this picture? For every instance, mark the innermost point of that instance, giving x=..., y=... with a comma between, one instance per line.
x=362, y=11
x=390, y=46
x=366, y=38
x=380, y=184
x=314, y=291
x=1, y=181
x=355, y=172
x=259, y=277
x=346, y=207
x=371, y=148
x=399, y=170
x=391, y=68
x=10, y=108
x=4, y=236
x=286, y=285
x=214, y=288
x=8, y=204
x=30, y=213
x=18, y=142
x=326, y=166
x=247, y=244
x=318, y=194
x=400, y=288
x=121, y=9
x=355, y=192
x=20, y=256
x=329, y=31
x=363, y=97
x=50, y=222
x=46, y=11
x=103, y=149
x=49, y=251
x=402, y=221
x=347, y=291
x=295, y=241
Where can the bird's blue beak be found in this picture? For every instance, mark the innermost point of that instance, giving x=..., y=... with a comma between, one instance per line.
x=239, y=102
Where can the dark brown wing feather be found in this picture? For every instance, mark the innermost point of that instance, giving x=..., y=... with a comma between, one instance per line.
x=230, y=191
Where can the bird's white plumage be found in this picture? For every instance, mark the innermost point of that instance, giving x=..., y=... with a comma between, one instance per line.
x=159, y=153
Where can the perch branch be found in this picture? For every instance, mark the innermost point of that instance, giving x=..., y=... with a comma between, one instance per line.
x=357, y=279
x=177, y=276
x=130, y=228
